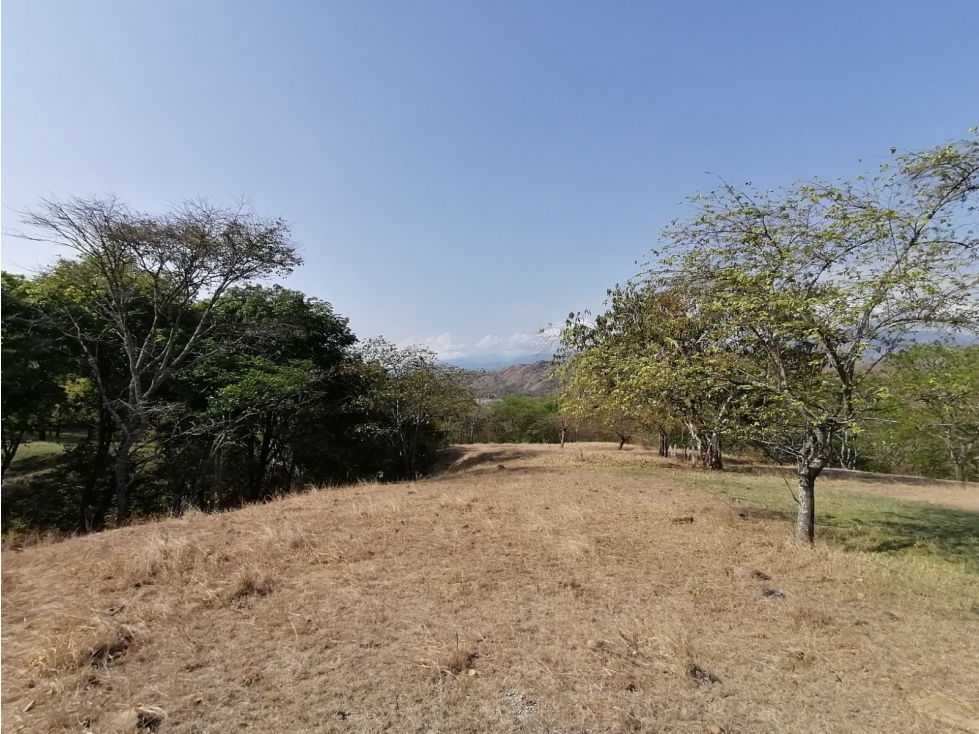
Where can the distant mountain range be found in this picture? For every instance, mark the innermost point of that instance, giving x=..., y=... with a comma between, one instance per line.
x=522, y=379
x=496, y=362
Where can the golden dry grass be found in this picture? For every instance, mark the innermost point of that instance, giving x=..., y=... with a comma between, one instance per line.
x=555, y=594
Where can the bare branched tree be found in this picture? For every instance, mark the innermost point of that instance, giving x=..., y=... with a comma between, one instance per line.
x=150, y=285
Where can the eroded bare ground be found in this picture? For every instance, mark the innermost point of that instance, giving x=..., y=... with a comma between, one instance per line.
x=528, y=590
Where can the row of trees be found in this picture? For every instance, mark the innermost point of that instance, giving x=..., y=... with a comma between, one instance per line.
x=786, y=319
x=190, y=384
x=928, y=419
x=538, y=419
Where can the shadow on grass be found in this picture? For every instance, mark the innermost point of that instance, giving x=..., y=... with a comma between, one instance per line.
x=946, y=532
x=40, y=501
x=856, y=521
x=456, y=458
x=31, y=464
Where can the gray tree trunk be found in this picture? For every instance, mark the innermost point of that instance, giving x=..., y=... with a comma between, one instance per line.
x=715, y=461
x=707, y=452
x=959, y=470
x=805, y=525
x=121, y=479
x=121, y=472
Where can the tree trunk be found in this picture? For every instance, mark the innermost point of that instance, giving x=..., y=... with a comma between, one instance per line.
x=292, y=470
x=92, y=509
x=412, y=463
x=848, y=452
x=121, y=482
x=564, y=432
x=959, y=470
x=664, y=446
x=714, y=459
x=121, y=473
x=262, y=462
x=10, y=451
x=707, y=450
x=805, y=526
x=622, y=441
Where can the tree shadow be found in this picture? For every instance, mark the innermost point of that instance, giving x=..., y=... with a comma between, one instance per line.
x=457, y=458
x=44, y=501
x=31, y=464
x=952, y=533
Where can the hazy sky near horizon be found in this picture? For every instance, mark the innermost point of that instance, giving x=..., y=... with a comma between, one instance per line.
x=461, y=173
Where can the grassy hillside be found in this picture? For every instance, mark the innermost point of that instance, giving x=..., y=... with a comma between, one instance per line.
x=528, y=589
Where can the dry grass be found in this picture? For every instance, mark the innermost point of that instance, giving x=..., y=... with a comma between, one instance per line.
x=558, y=594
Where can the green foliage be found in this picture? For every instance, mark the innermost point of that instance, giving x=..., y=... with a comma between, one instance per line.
x=193, y=386
x=650, y=362
x=805, y=282
x=775, y=300
x=140, y=302
x=930, y=421
x=417, y=403
x=521, y=419
x=34, y=368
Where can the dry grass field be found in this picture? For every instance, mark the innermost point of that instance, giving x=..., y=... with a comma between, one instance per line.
x=526, y=589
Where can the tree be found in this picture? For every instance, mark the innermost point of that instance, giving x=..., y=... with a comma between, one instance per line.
x=248, y=410
x=34, y=368
x=524, y=419
x=418, y=399
x=147, y=286
x=811, y=284
x=937, y=389
x=651, y=359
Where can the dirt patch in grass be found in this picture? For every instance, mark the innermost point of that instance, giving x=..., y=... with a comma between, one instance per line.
x=557, y=595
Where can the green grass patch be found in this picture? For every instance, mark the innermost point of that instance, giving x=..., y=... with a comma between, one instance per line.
x=37, y=457
x=34, y=459
x=860, y=521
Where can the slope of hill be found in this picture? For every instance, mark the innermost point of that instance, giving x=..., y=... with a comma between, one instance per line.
x=523, y=379
x=529, y=589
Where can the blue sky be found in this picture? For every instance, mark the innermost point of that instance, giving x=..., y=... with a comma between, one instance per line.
x=461, y=173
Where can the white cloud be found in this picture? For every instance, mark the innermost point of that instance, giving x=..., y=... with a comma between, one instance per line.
x=532, y=345
x=523, y=341
x=443, y=345
x=488, y=342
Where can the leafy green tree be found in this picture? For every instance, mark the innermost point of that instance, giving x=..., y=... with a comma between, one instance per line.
x=243, y=417
x=652, y=359
x=147, y=288
x=936, y=388
x=807, y=284
x=417, y=399
x=522, y=419
x=34, y=368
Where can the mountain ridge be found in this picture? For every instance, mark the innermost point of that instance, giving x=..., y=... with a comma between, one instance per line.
x=535, y=379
